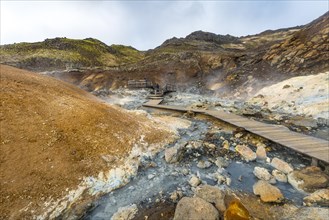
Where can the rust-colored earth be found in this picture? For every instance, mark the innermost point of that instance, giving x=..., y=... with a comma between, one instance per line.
x=52, y=135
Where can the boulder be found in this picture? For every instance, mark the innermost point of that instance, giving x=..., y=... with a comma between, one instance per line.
x=267, y=192
x=127, y=213
x=309, y=213
x=173, y=154
x=319, y=197
x=212, y=194
x=246, y=152
x=308, y=179
x=261, y=153
x=279, y=176
x=281, y=165
x=263, y=174
x=194, y=181
x=196, y=209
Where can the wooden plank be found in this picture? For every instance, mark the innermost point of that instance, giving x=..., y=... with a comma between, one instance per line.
x=323, y=150
x=296, y=142
x=154, y=102
x=317, y=149
x=320, y=156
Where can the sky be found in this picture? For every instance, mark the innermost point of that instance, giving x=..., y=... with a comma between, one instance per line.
x=147, y=24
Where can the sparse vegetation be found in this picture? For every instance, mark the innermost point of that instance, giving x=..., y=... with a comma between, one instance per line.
x=58, y=53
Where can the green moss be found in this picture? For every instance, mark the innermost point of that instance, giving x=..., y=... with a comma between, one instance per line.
x=127, y=54
x=87, y=52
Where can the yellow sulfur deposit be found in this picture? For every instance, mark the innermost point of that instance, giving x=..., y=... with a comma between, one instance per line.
x=236, y=211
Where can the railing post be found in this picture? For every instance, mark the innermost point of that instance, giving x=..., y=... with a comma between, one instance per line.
x=315, y=162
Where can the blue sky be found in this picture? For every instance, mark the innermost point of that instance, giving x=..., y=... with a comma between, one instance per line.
x=147, y=24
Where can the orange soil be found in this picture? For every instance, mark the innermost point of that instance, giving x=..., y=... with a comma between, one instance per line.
x=52, y=134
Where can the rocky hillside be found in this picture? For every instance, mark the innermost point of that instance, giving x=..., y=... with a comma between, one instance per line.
x=53, y=135
x=306, y=50
x=221, y=63
x=63, y=53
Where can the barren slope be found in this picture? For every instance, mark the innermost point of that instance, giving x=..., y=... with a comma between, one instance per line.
x=52, y=135
x=222, y=63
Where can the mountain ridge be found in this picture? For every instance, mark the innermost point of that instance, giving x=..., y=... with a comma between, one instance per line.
x=201, y=59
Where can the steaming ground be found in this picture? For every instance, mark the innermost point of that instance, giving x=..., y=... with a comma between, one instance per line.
x=141, y=161
x=166, y=182
x=304, y=95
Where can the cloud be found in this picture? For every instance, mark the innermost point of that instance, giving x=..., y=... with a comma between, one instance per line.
x=146, y=24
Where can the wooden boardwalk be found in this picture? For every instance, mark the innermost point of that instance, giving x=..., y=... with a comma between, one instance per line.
x=315, y=148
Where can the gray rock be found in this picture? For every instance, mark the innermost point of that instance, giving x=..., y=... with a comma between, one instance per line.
x=267, y=192
x=174, y=154
x=319, y=197
x=309, y=213
x=126, y=213
x=195, y=144
x=222, y=162
x=185, y=172
x=308, y=179
x=150, y=176
x=279, y=176
x=228, y=181
x=218, y=177
x=212, y=194
x=263, y=174
x=281, y=165
x=261, y=153
x=246, y=152
x=194, y=181
x=196, y=209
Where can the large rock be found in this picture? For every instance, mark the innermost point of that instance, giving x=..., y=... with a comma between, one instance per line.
x=246, y=152
x=267, y=192
x=174, y=154
x=213, y=195
x=319, y=197
x=196, y=209
x=263, y=174
x=194, y=181
x=126, y=213
x=279, y=176
x=310, y=213
x=308, y=179
x=281, y=165
x=261, y=153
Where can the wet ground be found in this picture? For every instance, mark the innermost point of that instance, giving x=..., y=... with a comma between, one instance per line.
x=153, y=186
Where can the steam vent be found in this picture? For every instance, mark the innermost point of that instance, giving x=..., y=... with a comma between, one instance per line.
x=226, y=119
